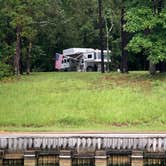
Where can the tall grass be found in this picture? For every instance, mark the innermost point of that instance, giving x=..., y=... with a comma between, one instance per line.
x=80, y=100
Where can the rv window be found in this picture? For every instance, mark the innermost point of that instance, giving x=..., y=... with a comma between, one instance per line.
x=89, y=56
x=64, y=60
x=99, y=55
x=67, y=60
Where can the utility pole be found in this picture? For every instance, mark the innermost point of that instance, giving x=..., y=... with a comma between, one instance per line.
x=101, y=33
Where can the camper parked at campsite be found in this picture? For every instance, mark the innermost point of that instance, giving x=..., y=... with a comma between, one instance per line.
x=82, y=59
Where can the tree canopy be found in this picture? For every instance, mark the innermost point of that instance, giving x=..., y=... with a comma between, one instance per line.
x=32, y=31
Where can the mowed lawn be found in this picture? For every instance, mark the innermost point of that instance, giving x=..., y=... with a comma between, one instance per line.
x=67, y=101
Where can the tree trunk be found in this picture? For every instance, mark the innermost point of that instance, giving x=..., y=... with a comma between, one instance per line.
x=108, y=55
x=152, y=68
x=124, y=36
x=18, y=51
x=28, y=57
x=160, y=5
x=101, y=34
x=21, y=61
x=162, y=65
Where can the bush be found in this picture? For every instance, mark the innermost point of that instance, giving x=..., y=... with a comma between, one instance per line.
x=5, y=70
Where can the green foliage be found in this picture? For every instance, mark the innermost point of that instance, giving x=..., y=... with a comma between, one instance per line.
x=158, y=52
x=138, y=43
x=74, y=23
x=148, y=27
x=163, y=16
x=5, y=70
x=40, y=60
x=139, y=19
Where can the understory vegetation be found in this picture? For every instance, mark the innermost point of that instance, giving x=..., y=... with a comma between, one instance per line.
x=5, y=70
x=83, y=101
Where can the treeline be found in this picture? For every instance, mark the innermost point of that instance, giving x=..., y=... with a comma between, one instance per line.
x=31, y=31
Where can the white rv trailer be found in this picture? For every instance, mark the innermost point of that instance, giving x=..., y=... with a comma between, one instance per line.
x=82, y=59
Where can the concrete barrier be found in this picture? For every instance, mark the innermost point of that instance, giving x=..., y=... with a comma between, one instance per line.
x=143, y=142
x=100, y=146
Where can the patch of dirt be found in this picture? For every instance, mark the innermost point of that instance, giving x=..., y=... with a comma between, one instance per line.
x=126, y=81
x=116, y=124
x=10, y=80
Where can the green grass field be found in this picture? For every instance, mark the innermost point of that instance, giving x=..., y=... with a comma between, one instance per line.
x=83, y=101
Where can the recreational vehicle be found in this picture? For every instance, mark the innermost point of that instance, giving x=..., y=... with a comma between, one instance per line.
x=82, y=59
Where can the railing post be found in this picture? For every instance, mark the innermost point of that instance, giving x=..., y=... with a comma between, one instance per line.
x=100, y=158
x=65, y=158
x=137, y=158
x=30, y=158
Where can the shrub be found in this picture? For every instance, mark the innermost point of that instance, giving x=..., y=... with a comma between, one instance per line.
x=5, y=70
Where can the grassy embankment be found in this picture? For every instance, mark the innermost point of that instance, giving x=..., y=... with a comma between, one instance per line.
x=83, y=101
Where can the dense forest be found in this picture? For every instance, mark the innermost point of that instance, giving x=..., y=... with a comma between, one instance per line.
x=32, y=31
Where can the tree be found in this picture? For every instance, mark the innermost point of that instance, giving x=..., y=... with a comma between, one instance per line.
x=120, y=36
x=146, y=23
x=113, y=14
x=15, y=11
x=109, y=23
x=101, y=33
x=124, y=40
